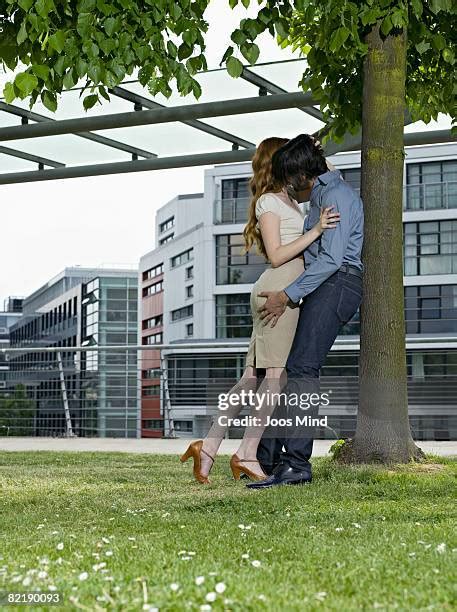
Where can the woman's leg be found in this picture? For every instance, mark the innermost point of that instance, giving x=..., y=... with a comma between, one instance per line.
x=274, y=381
x=217, y=432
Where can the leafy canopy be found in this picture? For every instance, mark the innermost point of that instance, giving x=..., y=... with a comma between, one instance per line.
x=102, y=41
x=331, y=35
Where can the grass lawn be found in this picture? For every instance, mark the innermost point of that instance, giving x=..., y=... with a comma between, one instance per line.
x=114, y=531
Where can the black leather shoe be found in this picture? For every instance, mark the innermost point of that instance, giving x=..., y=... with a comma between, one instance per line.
x=283, y=475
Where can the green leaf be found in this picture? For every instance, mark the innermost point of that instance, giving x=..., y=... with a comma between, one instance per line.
x=233, y=3
x=41, y=71
x=57, y=40
x=95, y=72
x=448, y=56
x=25, y=4
x=189, y=37
x=338, y=39
x=26, y=83
x=386, y=25
x=281, y=29
x=90, y=101
x=422, y=46
x=8, y=92
x=417, y=7
x=245, y=3
x=44, y=7
x=81, y=67
x=49, y=100
x=184, y=51
x=250, y=52
x=438, y=42
x=110, y=25
x=437, y=5
x=398, y=19
x=370, y=16
x=234, y=67
x=22, y=34
x=172, y=49
x=227, y=54
x=68, y=80
x=238, y=37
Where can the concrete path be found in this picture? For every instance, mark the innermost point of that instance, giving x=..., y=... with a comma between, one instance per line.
x=166, y=447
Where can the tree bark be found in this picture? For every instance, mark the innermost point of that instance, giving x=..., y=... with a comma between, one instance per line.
x=383, y=433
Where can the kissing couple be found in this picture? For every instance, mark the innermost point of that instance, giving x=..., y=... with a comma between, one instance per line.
x=312, y=288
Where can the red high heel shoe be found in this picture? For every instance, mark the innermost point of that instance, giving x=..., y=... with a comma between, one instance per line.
x=195, y=450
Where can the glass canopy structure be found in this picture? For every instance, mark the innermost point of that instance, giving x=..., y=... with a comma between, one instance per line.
x=135, y=132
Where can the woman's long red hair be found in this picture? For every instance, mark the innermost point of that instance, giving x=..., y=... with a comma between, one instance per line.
x=262, y=181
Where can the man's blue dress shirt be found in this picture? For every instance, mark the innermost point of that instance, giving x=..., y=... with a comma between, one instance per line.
x=338, y=246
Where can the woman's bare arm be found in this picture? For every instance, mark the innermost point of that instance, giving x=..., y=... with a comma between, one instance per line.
x=279, y=254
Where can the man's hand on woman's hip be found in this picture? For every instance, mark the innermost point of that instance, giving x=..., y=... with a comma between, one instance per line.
x=274, y=306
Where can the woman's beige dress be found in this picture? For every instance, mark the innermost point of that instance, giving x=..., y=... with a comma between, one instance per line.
x=270, y=346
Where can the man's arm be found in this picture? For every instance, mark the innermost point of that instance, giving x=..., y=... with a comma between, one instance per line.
x=333, y=248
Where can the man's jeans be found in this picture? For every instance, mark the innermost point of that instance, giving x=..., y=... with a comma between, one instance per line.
x=322, y=314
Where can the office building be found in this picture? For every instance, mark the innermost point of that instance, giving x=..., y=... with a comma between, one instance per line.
x=96, y=390
x=195, y=287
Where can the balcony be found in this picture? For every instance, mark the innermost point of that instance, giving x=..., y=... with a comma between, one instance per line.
x=231, y=210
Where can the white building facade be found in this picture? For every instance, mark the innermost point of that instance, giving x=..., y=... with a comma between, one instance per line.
x=202, y=297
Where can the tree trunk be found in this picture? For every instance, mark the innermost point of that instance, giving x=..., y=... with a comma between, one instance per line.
x=383, y=433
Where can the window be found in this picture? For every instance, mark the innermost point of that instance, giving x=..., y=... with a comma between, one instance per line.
x=177, y=260
x=233, y=316
x=151, y=391
x=234, y=267
x=352, y=176
x=431, y=185
x=153, y=322
x=163, y=241
x=153, y=272
x=233, y=206
x=152, y=424
x=189, y=330
x=190, y=291
x=430, y=247
x=151, y=373
x=153, y=339
x=166, y=225
x=189, y=272
x=431, y=309
x=182, y=313
x=183, y=426
x=152, y=289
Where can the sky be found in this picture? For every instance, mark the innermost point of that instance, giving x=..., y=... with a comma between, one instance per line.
x=108, y=220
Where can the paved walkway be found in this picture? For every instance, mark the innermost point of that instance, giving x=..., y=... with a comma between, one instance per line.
x=165, y=447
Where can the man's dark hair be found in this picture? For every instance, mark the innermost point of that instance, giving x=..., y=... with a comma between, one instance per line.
x=298, y=158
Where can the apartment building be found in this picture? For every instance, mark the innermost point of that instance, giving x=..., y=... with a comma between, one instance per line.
x=196, y=283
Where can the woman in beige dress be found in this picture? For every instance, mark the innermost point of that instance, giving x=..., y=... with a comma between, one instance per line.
x=275, y=227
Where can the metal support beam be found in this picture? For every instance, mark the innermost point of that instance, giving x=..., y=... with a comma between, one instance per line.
x=36, y=159
x=238, y=106
x=125, y=94
x=103, y=140
x=180, y=161
x=142, y=165
x=265, y=86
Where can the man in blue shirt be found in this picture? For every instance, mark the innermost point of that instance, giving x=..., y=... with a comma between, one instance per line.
x=330, y=289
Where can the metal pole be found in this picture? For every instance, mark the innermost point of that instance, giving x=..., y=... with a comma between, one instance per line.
x=63, y=388
x=239, y=106
x=168, y=417
x=141, y=165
